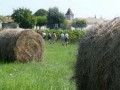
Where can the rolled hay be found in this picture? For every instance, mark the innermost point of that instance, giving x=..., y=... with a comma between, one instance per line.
x=21, y=46
x=98, y=60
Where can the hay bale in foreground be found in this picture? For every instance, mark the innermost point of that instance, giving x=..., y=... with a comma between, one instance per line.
x=21, y=46
x=98, y=61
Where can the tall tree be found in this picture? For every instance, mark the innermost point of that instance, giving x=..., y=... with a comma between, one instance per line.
x=41, y=21
x=54, y=18
x=24, y=18
x=41, y=12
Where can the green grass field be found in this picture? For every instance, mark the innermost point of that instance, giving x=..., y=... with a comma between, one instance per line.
x=54, y=73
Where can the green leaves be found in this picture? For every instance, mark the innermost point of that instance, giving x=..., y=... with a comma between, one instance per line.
x=64, y=25
x=24, y=18
x=79, y=23
x=41, y=12
x=55, y=17
x=41, y=20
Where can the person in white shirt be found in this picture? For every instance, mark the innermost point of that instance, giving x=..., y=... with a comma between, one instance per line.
x=44, y=35
x=66, y=38
x=62, y=38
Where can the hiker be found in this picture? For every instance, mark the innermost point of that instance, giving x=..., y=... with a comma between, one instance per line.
x=54, y=37
x=49, y=37
x=66, y=38
x=44, y=35
x=62, y=38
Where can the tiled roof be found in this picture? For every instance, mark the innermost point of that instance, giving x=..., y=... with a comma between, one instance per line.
x=69, y=12
x=7, y=19
x=92, y=20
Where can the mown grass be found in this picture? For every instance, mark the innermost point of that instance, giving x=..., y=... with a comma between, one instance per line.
x=54, y=73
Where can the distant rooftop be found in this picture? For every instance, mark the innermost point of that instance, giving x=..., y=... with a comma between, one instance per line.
x=93, y=20
x=7, y=19
x=69, y=12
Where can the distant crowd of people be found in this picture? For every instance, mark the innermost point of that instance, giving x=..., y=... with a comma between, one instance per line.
x=52, y=37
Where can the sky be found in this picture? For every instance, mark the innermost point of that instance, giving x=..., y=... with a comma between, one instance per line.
x=107, y=9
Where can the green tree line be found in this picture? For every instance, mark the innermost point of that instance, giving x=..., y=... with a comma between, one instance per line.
x=53, y=19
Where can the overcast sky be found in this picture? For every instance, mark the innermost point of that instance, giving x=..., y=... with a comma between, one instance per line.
x=81, y=8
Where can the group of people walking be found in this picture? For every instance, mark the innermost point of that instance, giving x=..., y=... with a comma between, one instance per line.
x=52, y=37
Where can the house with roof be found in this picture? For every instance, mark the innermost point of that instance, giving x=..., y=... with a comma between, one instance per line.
x=69, y=15
x=92, y=21
x=7, y=19
x=8, y=22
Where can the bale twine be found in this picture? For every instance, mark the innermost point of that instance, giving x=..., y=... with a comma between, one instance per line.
x=21, y=46
x=98, y=61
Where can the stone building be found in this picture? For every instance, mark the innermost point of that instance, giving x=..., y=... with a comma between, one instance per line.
x=69, y=15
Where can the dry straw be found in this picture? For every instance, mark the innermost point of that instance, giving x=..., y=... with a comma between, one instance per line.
x=21, y=46
x=98, y=61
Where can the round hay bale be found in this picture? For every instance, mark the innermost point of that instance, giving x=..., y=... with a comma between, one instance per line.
x=21, y=46
x=98, y=60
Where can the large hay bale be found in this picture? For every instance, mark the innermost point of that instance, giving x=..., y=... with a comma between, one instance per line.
x=21, y=45
x=98, y=61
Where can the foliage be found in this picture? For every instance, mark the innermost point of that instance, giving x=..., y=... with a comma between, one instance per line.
x=74, y=36
x=24, y=18
x=41, y=12
x=55, y=18
x=79, y=23
x=53, y=74
x=1, y=16
x=41, y=20
x=64, y=25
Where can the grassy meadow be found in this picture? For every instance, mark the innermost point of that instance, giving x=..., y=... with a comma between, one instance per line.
x=54, y=73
